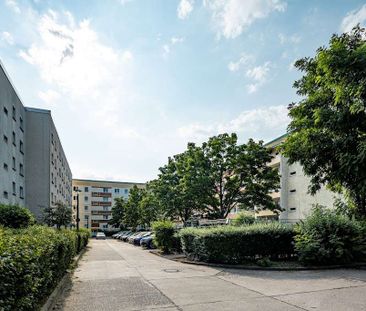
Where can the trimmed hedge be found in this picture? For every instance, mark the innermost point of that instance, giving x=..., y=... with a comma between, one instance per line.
x=229, y=244
x=164, y=235
x=15, y=216
x=325, y=238
x=32, y=261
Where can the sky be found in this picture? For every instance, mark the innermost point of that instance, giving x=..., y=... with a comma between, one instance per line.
x=131, y=82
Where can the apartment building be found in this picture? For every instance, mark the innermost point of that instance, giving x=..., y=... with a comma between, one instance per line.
x=12, y=143
x=293, y=196
x=48, y=175
x=34, y=169
x=96, y=199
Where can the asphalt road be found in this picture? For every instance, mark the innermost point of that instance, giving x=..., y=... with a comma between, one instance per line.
x=114, y=275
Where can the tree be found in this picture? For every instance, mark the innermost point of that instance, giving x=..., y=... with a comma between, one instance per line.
x=15, y=216
x=132, y=214
x=327, y=132
x=118, y=212
x=150, y=207
x=239, y=174
x=58, y=215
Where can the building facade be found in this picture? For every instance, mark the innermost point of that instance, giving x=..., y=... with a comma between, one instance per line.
x=34, y=169
x=293, y=197
x=96, y=199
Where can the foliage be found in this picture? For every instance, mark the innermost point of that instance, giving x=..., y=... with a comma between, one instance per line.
x=14, y=216
x=164, y=235
x=239, y=175
x=229, y=244
x=149, y=208
x=58, y=215
x=118, y=213
x=243, y=219
x=325, y=237
x=32, y=261
x=327, y=133
x=132, y=215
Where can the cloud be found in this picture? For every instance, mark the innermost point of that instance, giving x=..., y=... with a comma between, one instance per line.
x=185, y=8
x=242, y=61
x=232, y=17
x=167, y=48
x=289, y=39
x=7, y=37
x=259, y=76
x=269, y=121
x=50, y=97
x=13, y=5
x=353, y=18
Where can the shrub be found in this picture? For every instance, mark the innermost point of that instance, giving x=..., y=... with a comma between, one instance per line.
x=229, y=244
x=15, y=216
x=243, y=219
x=164, y=235
x=32, y=261
x=325, y=237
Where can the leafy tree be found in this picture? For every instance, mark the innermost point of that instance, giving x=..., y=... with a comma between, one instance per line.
x=132, y=211
x=118, y=212
x=150, y=208
x=239, y=175
x=58, y=215
x=327, y=133
x=15, y=216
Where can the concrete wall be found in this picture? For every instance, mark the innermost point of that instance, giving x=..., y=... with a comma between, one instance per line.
x=10, y=123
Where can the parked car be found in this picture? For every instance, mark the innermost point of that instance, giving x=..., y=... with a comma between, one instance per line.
x=137, y=239
x=125, y=236
x=117, y=235
x=133, y=236
x=147, y=242
x=100, y=236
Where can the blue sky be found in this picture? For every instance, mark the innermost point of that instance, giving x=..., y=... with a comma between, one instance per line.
x=130, y=82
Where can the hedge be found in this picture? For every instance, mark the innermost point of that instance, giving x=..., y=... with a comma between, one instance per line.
x=15, y=216
x=166, y=239
x=32, y=261
x=229, y=244
x=325, y=238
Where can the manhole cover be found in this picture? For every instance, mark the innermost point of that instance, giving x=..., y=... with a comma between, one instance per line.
x=171, y=270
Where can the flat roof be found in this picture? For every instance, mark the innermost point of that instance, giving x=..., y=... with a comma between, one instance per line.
x=32, y=109
x=277, y=138
x=108, y=181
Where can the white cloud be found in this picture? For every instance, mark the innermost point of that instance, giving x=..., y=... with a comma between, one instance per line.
x=7, y=37
x=185, y=8
x=269, y=121
x=232, y=17
x=50, y=97
x=289, y=39
x=13, y=5
x=242, y=61
x=353, y=18
x=259, y=76
x=167, y=48
x=175, y=40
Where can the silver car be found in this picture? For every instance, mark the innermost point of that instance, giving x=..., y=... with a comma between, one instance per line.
x=100, y=236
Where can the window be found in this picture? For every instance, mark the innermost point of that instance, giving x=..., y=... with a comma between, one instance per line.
x=105, y=189
x=105, y=226
x=14, y=139
x=126, y=191
x=21, y=147
x=52, y=178
x=86, y=217
x=21, y=123
x=14, y=188
x=86, y=207
x=5, y=139
x=105, y=217
x=116, y=190
x=293, y=173
x=52, y=138
x=292, y=209
x=21, y=169
x=86, y=198
x=293, y=190
x=75, y=197
x=86, y=189
x=105, y=199
x=5, y=111
x=21, y=192
x=5, y=193
x=5, y=166
x=105, y=208
x=14, y=114
x=14, y=164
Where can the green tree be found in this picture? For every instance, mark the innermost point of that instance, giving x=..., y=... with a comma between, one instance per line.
x=58, y=215
x=150, y=207
x=132, y=211
x=239, y=175
x=15, y=216
x=118, y=212
x=327, y=133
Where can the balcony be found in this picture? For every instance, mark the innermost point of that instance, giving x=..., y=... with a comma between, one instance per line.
x=96, y=203
x=275, y=162
x=101, y=194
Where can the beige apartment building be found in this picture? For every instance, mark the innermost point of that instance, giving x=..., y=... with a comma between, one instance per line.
x=96, y=199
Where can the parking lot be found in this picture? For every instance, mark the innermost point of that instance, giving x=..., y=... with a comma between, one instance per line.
x=114, y=275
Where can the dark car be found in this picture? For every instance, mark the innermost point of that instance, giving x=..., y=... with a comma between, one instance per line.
x=125, y=236
x=137, y=239
x=147, y=242
x=133, y=236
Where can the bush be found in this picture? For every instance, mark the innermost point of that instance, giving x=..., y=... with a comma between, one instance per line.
x=325, y=237
x=243, y=219
x=229, y=244
x=32, y=261
x=15, y=216
x=164, y=235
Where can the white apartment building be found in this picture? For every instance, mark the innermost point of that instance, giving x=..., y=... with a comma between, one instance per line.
x=96, y=199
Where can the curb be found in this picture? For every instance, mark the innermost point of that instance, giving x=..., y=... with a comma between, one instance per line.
x=357, y=265
x=52, y=299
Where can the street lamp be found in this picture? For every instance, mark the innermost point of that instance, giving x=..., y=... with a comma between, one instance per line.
x=76, y=189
